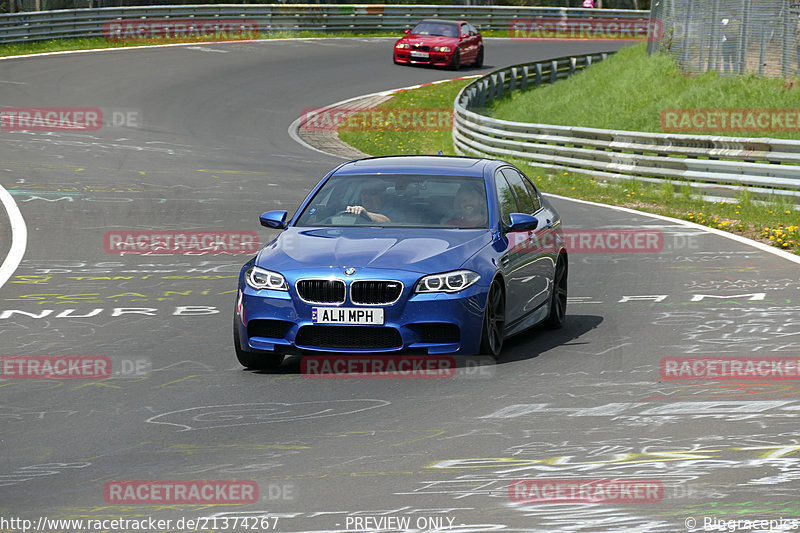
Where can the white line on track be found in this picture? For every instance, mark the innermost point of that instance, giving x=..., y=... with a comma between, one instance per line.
x=171, y=45
x=738, y=238
x=19, y=237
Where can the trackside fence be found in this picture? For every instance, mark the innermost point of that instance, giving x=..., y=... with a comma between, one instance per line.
x=274, y=18
x=711, y=165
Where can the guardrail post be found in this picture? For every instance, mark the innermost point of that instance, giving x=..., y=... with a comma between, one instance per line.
x=512, y=81
x=553, y=71
x=572, y=62
x=498, y=88
x=524, y=80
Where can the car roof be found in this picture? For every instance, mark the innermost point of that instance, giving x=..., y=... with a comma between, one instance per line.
x=416, y=164
x=446, y=21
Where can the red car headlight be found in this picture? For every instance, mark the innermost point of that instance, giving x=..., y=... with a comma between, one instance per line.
x=441, y=48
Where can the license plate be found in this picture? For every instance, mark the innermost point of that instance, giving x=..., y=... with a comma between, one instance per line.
x=347, y=315
x=420, y=54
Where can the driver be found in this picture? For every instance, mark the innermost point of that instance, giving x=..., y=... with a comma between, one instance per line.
x=372, y=199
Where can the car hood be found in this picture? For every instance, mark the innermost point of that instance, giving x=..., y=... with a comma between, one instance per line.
x=430, y=40
x=417, y=250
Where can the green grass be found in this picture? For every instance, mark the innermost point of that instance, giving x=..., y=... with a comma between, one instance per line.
x=630, y=90
x=384, y=141
x=775, y=223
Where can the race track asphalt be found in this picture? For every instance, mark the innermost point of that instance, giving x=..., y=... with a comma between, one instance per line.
x=205, y=147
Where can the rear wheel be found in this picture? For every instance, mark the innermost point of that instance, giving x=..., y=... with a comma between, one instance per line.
x=494, y=321
x=456, y=64
x=254, y=360
x=558, y=300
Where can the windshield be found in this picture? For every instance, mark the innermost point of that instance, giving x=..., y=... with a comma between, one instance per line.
x=398, y=201
x=436, y=28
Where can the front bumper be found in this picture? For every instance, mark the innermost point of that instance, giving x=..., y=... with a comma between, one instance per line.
x=439, y=59
x=434, y=323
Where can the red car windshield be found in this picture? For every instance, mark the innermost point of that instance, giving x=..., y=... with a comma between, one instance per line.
x=436, y=28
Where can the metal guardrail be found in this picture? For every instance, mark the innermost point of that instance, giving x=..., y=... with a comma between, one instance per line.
x=84, y=23
x=710, y=165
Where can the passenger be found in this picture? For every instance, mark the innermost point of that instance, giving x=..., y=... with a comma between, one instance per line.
x=470, y=206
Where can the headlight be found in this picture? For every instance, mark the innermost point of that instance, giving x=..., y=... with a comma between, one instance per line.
x=441, y=48
x=402, y=45
x=455, y=281
x=258, y=278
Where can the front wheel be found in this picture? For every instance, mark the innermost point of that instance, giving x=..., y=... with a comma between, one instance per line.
x=558, y=300
x=494, y=321
x=254, y=360
x=479, y=58
x=456, y=64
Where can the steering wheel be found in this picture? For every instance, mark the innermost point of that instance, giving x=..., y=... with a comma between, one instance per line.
x=356, y=217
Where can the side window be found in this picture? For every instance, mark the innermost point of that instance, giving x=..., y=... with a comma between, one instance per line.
x=472, y=30
x=505, y=197
x=524, y=199
x=537, y=202
x=464, y=30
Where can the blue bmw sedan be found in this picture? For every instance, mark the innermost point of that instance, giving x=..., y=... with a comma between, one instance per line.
x=415, y=255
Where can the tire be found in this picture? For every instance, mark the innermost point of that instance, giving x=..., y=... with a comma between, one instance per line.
x=558, y=300
x=494, y=320
x=254, y=360
x=479, y=58
x=456, y=64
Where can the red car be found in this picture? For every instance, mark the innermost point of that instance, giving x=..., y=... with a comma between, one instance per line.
x=444, y=43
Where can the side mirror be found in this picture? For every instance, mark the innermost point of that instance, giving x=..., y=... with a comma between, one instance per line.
x=407, y=31
x=522, y=222
x=274, y=219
